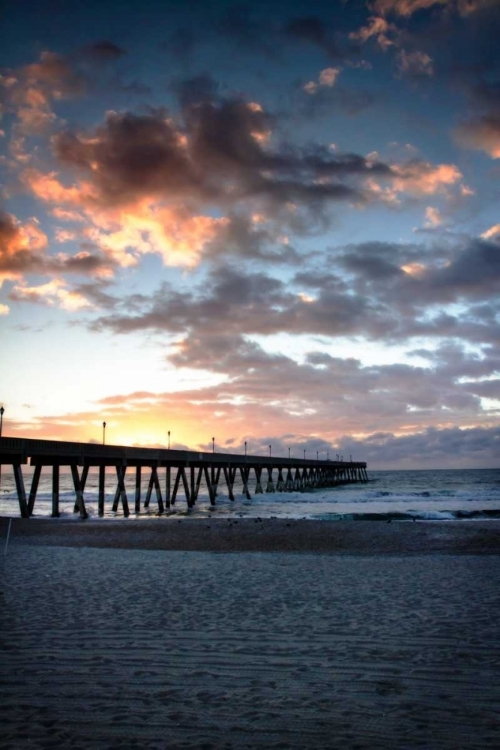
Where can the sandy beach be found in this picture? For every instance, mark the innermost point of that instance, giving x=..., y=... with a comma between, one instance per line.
x=249, y=634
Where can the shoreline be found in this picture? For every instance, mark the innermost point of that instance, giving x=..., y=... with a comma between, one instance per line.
x=261, y=535
x=243, y=634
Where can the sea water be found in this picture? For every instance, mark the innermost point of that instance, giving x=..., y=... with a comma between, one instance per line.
x=465, y=494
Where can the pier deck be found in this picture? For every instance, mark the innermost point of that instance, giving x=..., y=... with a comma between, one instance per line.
x=179, y=471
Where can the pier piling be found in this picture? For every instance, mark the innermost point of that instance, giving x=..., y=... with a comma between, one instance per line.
x=189, y=468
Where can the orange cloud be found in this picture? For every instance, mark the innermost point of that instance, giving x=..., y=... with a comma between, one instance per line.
x=327, y=77
x=482, y=134
x=174, y=233
x=52, y=293
x=48, y=188
x=377, y=27
x=492, y=233
x=19, y=243
x=125, y=233
x=423, y=178
x=415, y=178
x=406, y=7
x=29, y=92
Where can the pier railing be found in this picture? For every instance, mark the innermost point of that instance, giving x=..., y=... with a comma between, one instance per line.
x=181, y=469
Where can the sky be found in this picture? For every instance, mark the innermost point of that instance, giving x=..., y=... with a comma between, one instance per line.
x=273, y=223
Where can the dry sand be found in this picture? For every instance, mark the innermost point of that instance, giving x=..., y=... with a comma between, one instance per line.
x=141, y=634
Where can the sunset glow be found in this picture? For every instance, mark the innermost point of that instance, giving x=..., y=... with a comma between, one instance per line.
x=263, y=223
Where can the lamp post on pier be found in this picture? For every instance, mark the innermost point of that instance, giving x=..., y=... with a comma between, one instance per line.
x=269, y=451
x=304, y=454
x=213, y=445
x=104, y=433
x=317, y=455
x=168, y=439
x=289, y=453
x=245, y=447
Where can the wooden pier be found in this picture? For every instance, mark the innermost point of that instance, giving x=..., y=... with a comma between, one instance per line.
x=173, y=470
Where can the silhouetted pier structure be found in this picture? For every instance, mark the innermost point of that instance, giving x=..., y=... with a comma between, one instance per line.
x=179, y=470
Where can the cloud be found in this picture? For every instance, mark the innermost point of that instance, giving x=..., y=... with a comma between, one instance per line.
x=415, y=277
x=466, y=7
x=421, y=178
x=377, y=27
x=148, y=183
x=51, y=293
x=327, y=77
x=21, y=246
x=129, y=156
x=103, y=51
x=416, y=64
x=439, y=448
x=381, y=292
x=321, y=395
x=23, y=251
x=482, y=134
x=406, y=7
x=492, y=233
x=312, y=30
x=29, y=91
x=433, y=217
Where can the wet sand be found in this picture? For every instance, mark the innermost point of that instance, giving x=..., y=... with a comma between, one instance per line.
x=142, y=634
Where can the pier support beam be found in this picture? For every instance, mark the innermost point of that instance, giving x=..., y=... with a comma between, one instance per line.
x=270, y=483
x=79, y=485
x=245, y=475
x=55, y=491
x=138, y=478
x=121, y=494
x=34, y=488
x=100, y=497
x=21, y=492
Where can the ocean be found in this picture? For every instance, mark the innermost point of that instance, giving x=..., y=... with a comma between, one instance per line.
x=459, y=494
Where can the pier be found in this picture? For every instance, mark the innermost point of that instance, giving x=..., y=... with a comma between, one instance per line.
x=175, y=471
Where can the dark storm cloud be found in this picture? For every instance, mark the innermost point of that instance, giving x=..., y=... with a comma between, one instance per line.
x=462, y=447
x=225, y=158
x=313, y=30
x=83, y=263
x=366, y=294
x=233, y=302
x=130, y=155
x=96, y=292
x=474, y=272
x=453, y=360
x=245, y=239
x=469, y=270
x=103, y=51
